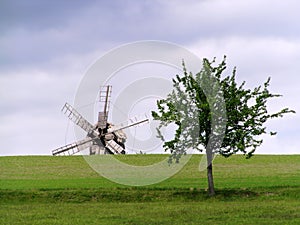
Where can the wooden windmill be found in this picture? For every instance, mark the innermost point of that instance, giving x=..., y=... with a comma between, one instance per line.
x=102, y=138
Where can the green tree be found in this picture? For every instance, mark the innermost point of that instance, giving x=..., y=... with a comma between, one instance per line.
x=213, y=113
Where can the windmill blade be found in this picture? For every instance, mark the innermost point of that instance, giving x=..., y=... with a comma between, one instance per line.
x=74, y=148
x=114, y=147
x=79, y=120
x=130, y=123
x=105, y=93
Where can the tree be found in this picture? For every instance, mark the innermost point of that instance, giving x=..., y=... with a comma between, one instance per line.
x=214, y=113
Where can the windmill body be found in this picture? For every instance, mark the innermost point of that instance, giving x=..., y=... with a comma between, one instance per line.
x=102, y=138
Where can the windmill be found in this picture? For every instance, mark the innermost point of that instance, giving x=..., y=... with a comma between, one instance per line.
x=102, y=138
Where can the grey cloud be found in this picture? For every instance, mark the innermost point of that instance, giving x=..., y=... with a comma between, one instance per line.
x=38, y=14
x=39, y=32
x=230, y=18
x=43, y=30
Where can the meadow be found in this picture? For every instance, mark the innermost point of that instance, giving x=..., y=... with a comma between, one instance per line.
x=65, y=190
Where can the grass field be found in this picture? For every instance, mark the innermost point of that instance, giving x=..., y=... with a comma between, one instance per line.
x=65, y=190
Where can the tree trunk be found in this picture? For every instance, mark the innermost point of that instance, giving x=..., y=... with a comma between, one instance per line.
x=210, y=179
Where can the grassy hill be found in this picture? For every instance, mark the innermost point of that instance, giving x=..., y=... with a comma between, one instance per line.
x=65, y=190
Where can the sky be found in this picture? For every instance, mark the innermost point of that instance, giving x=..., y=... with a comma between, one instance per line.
x=46, y=47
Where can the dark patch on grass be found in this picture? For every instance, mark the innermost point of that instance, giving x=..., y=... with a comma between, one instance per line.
x=143, y=195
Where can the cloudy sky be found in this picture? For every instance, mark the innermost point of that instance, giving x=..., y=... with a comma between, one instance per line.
x=47, y=46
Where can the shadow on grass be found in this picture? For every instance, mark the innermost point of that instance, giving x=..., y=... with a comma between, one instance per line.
x=223, y=194
x=143, y=194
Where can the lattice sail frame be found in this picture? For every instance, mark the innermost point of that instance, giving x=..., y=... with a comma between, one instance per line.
x=78, y=119
x=104, y=100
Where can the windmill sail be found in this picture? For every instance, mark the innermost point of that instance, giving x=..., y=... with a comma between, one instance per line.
x=74, y=148
x=130, y=123
x=114, y=147
x=105, y=94
x=79, y=120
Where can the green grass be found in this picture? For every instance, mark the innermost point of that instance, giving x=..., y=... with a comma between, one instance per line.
x=65, y=190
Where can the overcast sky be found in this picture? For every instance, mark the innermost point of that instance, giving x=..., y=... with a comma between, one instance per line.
x=47, y=46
